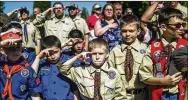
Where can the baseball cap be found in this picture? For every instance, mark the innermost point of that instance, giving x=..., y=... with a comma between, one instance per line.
x=179, y=61
x=73, y=6
x=24, y=9
x=96, y=6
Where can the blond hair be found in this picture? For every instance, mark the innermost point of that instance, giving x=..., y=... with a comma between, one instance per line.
x=98, y=43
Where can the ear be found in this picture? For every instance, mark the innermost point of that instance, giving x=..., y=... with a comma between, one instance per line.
x=139, y=30
x=163, y=27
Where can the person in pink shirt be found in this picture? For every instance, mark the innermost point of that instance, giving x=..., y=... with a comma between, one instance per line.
x=93, y=18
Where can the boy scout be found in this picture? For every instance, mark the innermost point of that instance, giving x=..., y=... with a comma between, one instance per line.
x=76, y=48
x=17, y=78
x=54, y=86
x=57, y=24
x=98, y=80
x=155, y=62
x=131, y=49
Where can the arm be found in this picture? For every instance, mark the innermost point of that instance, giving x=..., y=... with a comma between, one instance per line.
x=86, y=38
x=37, y=38
x=41, y=17
x=13, y=12
x=99, y=30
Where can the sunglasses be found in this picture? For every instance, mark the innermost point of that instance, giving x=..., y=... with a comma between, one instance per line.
x=98, y=9
x=72, y=9
x=178, y=25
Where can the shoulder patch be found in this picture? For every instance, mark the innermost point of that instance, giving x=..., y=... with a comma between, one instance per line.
x=111, y=74
x=25, y=73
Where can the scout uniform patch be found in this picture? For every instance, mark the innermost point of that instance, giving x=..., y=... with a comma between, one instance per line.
x=156, y=44
x=142, y=51
x=25, y=72
x=111, y=74
x=159, y=75
x=23, y=88
x=25, y=55
x=157, y=55
x=158, y=67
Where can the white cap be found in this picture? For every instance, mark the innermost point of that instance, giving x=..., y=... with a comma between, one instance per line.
x=97, y=6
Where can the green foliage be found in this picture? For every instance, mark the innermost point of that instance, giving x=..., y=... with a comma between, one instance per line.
x=84, y=13
x=2, y=6
x=43, y=5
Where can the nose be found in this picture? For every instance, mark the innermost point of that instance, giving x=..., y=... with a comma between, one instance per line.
x=97, y=56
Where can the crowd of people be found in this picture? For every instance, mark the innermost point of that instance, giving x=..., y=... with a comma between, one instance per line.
x=112, y=55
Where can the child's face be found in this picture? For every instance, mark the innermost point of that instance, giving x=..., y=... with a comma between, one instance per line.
x=129, y=32
x=54, y=55
x=13, y=53
x=78, y=46
x=98, y=56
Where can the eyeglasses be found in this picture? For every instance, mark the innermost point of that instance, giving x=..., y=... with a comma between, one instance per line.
x=98, y=9
x=108, y=9
x=178, y=25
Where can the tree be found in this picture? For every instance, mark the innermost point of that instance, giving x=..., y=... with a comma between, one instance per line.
x=2, y=6
x=43, y=5
x=84, y=13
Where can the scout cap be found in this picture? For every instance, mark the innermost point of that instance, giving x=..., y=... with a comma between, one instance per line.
x=73, y=6
x=179, y=61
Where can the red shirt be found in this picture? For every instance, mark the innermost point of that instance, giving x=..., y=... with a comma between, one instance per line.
x=91, y=20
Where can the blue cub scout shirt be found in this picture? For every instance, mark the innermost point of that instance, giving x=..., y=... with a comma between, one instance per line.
x=54, y=86
x=23, y=81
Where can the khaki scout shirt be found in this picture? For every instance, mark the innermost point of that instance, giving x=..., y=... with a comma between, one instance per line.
x=183, y=9
x=111, y=85
x=146, y=69
x=33, y=34
x=117, y=59
x=53, y=26
x=80, y=24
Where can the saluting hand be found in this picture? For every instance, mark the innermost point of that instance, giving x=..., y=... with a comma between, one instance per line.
x=10, y=42
x=44, y=53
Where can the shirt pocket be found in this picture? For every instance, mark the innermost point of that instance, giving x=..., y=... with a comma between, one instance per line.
x=44, y=77
x=137, y=65
x=52, y=29
x=109, y=89
x=88, y=85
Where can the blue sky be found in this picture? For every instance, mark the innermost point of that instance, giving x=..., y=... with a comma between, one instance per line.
x=11, y=5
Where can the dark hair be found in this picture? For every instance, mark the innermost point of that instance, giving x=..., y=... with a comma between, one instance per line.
x=10, y=25
x=75, y=34
x=114, y=15
x=57, y=3
x=126, y=19
x=98, y=43
x=24, y=10
x=50, y=41
x=166, y=13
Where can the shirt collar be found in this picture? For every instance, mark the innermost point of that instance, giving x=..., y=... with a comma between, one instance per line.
x=103, y=68
x=135, y=45
x=57, y=20
x=165, y=43
x=25, y=22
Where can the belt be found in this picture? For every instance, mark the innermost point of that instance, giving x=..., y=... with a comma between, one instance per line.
x=136, y=91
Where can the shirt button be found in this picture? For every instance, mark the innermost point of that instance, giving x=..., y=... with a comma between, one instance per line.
x=54, y=92
x=54, y=82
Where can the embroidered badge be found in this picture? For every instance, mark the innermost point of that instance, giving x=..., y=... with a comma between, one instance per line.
x=156, y=44
x=111, y=90
x=142, y=51
x=157, y=55
x=25, y=72
x=111, y=74
x=22, y=88
x=158, y=67
x=181, y=46
x=159, y=75
x=25, y=55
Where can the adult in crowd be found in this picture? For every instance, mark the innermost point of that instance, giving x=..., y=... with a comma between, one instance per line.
x=149, y=21
x=108, y=27
x=93, y=18
x=79, y=23
x=118, y=9
x=57, y=24
x=129, y=11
